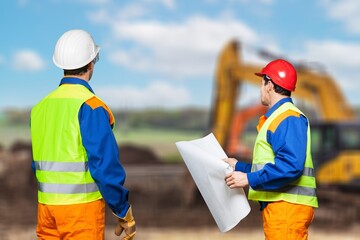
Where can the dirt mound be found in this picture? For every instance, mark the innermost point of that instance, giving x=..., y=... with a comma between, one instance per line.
x=20, y=145
x=131, y=154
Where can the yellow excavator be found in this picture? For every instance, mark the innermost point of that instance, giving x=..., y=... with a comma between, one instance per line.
x=335, y=132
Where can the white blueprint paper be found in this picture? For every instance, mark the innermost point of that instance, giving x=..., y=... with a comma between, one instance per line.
x=203, y=157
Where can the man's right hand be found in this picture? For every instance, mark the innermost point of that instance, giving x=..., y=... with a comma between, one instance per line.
x=237, y=179
x=126, y=224
x=231, y=161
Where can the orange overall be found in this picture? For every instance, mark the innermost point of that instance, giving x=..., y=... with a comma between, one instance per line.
x=71, y=222
x=285, y=221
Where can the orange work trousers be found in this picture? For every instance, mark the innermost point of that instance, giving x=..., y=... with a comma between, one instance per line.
x=287, y=221
x=68, y=222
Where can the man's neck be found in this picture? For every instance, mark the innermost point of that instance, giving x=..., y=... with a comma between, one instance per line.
x=84, y=77
x=275, y=98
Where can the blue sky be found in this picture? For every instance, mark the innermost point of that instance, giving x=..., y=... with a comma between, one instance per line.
x=162, y=53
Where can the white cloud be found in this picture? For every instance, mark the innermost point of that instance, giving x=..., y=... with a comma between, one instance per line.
x=190, y=48
x=27, y=60
x=137, y=9
x=334, y=54
x=340, y=60
x=169, y=4
x=156, y=94
x=347, y=11
x=186, y=48
x=130, y=11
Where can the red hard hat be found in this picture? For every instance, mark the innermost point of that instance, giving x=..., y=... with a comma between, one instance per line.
x=281, y=72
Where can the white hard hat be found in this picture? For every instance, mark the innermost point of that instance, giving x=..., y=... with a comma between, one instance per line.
x=74, y=49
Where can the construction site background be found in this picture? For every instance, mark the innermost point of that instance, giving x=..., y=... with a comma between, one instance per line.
x=165, y=203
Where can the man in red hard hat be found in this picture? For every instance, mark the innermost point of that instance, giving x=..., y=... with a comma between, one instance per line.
x=281, y=177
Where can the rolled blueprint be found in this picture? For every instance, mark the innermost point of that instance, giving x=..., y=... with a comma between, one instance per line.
x=203, y=158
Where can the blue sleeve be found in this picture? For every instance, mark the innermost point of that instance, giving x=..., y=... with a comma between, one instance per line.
x=33, y=166
x=103, y=157
x=288, y=142
x=243, y=167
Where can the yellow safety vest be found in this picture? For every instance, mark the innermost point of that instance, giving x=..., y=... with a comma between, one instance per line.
x=302, y=190
x=61, y=161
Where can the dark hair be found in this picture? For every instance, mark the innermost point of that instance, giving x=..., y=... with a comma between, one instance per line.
x=77, y=71
x=277, y=88
x=83, y=69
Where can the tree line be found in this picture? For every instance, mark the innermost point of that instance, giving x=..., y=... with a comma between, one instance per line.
x=192, y=119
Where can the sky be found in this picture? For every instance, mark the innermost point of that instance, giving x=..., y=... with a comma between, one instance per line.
x=163, y=53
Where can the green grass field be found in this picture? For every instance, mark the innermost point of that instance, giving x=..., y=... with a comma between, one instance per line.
x=11, y=134
x=147, y=136
x=161, y=141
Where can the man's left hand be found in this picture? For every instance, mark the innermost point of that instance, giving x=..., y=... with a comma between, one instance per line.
x=126, y=224
x=231, y=161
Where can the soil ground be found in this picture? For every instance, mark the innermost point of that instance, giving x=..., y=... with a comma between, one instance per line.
x=203, y=233
x=164, y=204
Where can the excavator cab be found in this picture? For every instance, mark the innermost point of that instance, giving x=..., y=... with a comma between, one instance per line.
x=336, y=153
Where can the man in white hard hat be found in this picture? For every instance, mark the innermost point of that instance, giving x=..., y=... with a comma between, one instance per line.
x=75, y=154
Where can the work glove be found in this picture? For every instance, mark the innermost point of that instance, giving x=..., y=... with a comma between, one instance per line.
x=126, y=224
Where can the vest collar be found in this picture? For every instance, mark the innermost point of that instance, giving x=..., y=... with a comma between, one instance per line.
x=72, y=80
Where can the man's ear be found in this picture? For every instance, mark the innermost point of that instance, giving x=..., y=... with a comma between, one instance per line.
x=91, y=66
x=269, y=86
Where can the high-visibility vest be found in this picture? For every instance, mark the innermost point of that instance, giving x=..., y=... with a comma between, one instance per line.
x=303, y=189
x=61, y=160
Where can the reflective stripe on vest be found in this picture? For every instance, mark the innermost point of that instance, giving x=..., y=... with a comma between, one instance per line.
x=61, y=166
x=306, y=172
x=60, y=158
x=302, y=190
x=67, y=188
